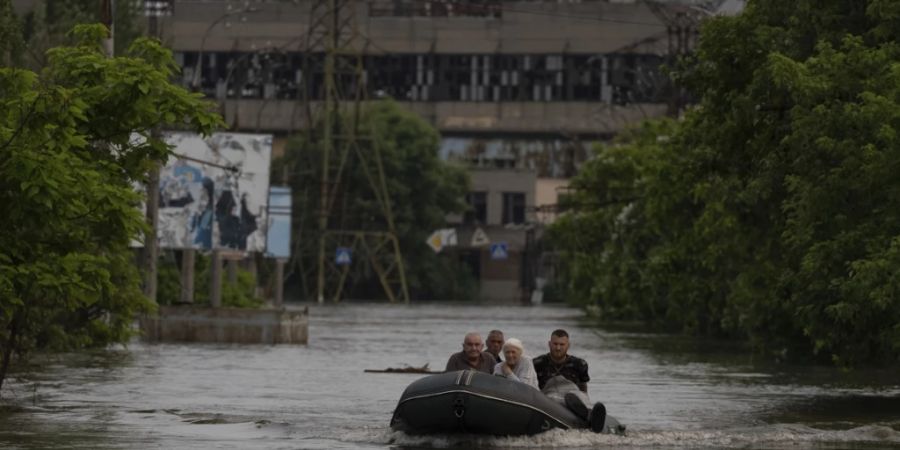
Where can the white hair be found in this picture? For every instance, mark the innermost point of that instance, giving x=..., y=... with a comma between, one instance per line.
x=514, y=343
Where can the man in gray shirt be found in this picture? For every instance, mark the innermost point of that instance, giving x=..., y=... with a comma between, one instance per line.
x=472, y=356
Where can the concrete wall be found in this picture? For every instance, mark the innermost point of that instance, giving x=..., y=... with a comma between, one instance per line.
x=547, y=192
x=227, y=325
x=496, y=182
x=525, y=27
x=557, y=118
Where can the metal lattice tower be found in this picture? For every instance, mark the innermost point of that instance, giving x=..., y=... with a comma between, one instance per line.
x=334, y=33
x=682, y=20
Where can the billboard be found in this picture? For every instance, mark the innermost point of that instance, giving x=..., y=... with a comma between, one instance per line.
x=213, y=194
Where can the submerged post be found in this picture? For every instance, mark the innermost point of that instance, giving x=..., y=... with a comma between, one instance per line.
x=187, y=276
x=215, y=279
x=232, y=271
x=279, y=283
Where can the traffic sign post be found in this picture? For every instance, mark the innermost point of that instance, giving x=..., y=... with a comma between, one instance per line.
x=343, y=256
x=445, y=237
x=479, y=238
x=499, y=251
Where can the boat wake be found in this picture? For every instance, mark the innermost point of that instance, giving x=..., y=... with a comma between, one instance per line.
x=774, y=436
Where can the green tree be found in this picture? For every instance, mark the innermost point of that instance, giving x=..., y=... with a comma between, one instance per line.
x=45, y=23
x=11, y=42
x=241, y=294
x=771, y=211
x=422, y=189
x=68, y=161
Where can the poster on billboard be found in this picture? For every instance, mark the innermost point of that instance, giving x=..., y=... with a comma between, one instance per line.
x=213, y=193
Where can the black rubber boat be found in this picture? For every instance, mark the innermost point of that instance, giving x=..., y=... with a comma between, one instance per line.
x=467, y=401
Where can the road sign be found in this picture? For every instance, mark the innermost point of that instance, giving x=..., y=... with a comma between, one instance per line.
x=498, y=251
x=342, y=256
x=445, y=237
x=479, y=238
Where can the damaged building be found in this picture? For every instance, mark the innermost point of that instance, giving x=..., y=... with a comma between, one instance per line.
x=520, y=90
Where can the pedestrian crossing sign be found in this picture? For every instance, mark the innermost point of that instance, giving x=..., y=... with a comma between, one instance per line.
x=499, y=251
x=342, y=256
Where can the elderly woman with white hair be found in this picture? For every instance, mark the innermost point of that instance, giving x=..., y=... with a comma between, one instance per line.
x=516, y=366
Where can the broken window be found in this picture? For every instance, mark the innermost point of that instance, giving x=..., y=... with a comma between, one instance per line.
x=436, y=8
x=428, y=77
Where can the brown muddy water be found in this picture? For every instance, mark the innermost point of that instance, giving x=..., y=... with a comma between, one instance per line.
x=671, y=392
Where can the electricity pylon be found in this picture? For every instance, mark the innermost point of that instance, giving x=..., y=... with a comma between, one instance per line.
x=682, y=21
x=334, y=33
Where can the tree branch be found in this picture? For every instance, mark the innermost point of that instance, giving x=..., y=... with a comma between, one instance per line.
x=22, y=124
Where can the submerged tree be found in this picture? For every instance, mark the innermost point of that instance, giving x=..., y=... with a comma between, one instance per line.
x=68, y=162
x=770, y=212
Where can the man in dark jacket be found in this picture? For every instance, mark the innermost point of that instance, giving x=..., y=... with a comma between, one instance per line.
x=559, y=363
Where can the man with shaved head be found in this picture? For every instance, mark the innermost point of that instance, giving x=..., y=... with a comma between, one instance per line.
x=472, y=356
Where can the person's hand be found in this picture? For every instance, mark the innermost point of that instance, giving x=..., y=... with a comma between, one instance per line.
x=506, y=369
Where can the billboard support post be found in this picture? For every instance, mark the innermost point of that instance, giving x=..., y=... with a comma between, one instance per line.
x=215, y=279
x=187, y=275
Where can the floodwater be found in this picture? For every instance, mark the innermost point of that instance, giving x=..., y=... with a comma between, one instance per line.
x=671, y=392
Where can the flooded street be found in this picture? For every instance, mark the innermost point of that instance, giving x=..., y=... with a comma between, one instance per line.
x=669, y=391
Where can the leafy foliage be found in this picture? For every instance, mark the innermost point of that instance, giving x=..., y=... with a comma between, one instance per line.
x=422, y=190
x=241, y=294
x=11, y=42
x=772, y=210
x=68, y=161
x=46, y=23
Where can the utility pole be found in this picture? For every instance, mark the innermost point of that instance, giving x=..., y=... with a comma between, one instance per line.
x=153, y=9
x=334, y=32
x=327, y=143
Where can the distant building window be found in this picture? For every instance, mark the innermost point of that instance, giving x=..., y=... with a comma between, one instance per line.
x=619, y=78
x=513, y=207
x=477, y=212
x=436, y=8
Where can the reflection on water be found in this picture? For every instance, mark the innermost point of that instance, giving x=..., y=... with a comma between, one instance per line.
x=669, y=391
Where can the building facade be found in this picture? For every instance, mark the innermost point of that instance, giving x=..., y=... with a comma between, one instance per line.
x=520, y=91
x=540, y=69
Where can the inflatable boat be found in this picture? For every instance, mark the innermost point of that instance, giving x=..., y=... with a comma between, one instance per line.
x=467, y=401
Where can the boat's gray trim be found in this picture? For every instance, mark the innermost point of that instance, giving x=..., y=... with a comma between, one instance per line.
x=456, y=391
